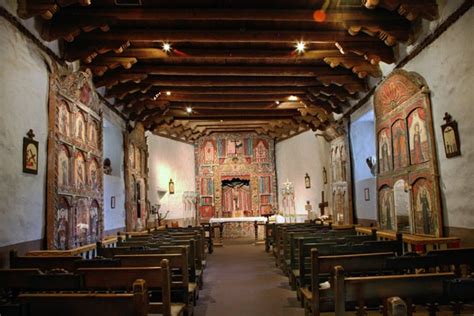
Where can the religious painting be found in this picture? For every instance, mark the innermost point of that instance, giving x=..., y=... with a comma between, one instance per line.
x=402, y=206
x=93, y=174
x=419, y=147
x=80, y=171
x=30, y=154
x=131, y=156
x=93, y=135
x=342, y=161
x=208, y=152
x=261, y=151
x=138, y=159
x=82, y=223
x=94, y=220
x=386, y=209
x=339, y=200
x=385, y=150
x=425, y=220
x=85, y=93
x=400, y=145
x=61, y=229
x=63, y=167
x=452, y=146
x=80, y=127
x=64, y=118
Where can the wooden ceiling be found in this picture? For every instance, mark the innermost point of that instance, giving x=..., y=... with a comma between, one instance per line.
x=232, y=62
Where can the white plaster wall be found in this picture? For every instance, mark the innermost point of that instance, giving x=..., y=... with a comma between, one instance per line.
x=170, y=159
x=362, y=136
x=114, y=184
x=448, y=67
x=24, y=105
x=296, y=156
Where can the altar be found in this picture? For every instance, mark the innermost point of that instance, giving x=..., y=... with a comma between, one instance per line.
x=239, y=227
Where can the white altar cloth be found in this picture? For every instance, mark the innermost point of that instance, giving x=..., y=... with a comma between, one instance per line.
x=237, y=219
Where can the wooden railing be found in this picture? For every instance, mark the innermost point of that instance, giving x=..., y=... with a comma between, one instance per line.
x=414, y=243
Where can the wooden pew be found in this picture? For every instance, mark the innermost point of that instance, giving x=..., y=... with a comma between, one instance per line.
x=74, y=304
x=352, y=292
x=322, y=267
x=180, y=284
x=43, y=262
x=122, y=278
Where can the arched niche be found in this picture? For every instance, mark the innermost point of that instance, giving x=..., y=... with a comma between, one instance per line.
x=401, y=196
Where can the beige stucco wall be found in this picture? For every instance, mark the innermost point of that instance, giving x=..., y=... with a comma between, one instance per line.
x=170, y=159
x=23, y=106
x=296, y=156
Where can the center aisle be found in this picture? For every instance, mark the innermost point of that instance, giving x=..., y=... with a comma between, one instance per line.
x=241, y=279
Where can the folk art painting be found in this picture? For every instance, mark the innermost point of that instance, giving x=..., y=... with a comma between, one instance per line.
x=30, y=153
x=74, y=202
x=236, y=175
x=409, y=198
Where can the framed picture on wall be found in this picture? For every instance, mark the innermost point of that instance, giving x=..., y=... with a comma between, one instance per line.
x=112, y=202
x=452, y=146
x=30, y=153
x=367, y=194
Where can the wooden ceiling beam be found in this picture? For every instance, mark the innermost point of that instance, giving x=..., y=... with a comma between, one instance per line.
x=282, y=15
x=45, y=8
x=217, y=36
x=217, y=70
x=218, y=98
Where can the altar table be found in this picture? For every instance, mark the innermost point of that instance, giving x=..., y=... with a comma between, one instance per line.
x=220, y=221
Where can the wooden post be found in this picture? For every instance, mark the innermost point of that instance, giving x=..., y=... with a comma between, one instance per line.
x=140, y=297
x=166, y=288
x=255, y=225
x=314, y=281
x=339, y=292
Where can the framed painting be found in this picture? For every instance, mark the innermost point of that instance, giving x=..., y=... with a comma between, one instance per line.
x=30, y=154
x=452, y=146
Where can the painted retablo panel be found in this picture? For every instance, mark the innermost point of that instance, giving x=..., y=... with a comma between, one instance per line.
x=75, y=185
x=406, y=156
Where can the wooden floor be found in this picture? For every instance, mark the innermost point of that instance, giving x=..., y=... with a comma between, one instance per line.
x=241, y=279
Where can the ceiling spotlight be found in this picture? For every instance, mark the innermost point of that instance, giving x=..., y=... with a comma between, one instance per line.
x=277, y=102
x=189, y=109
x=168, y=92
x=167, y=47
x=300, y=47
x=292, y=98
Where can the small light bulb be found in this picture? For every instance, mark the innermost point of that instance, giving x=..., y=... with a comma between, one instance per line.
x=300, y=47
x=166, y=47
x=277, y=102
x=189, y=109
x=168, y=92
x=292, y=98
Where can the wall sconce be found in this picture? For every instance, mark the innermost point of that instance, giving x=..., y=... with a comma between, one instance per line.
x=171, y=186
x=307, y=181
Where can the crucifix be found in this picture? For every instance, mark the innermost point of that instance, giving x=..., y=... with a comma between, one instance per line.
x=323, y=203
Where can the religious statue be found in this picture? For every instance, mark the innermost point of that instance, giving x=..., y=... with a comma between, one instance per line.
x=309, y=210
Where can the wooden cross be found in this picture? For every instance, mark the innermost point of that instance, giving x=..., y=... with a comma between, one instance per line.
x=323, y=203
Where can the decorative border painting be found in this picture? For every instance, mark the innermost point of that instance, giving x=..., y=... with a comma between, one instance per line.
x=408, y=188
